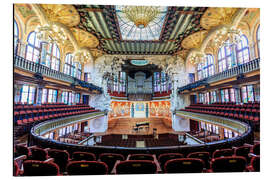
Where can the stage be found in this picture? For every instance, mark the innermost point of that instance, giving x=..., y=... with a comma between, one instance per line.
x=127, y=125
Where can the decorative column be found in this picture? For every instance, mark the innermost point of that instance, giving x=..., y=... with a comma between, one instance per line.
x=44, y=47
x=234, y=55
x=59, y=95
x=221, y=133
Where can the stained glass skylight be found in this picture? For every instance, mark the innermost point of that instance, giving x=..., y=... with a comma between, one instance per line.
x=130, y=31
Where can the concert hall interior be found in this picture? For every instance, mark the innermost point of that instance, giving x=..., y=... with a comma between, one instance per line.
x=116, y=89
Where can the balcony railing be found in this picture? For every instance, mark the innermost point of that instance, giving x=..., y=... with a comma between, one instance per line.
x=235, y=71
x=42, y=70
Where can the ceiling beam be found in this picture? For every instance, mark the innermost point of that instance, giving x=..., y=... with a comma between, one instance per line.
x=90, y=10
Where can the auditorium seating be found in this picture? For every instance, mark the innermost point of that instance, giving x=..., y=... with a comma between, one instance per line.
x=188, y=162
x=86, y=168
x=26, y=114
x=205, y=156
x=39, y=154
x=184, y=165
x=163, y=158
x=141, y=157
x=86, y=156
x=249, y=112
x=228, y=164
x=136, y=167
x=40, y=168
x=110, y=159
x=61, y=157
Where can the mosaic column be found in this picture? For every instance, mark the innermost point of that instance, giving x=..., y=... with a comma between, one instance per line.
x=44, y=47
x=39, y=94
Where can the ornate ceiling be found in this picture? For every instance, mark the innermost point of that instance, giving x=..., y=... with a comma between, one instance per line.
x=176, y=30
x=103, y=22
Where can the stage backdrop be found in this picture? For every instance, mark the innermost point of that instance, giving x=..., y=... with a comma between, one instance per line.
x=140, y=109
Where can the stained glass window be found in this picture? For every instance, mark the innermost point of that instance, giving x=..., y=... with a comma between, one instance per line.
x=53, y=56
x=242, y=50
x=258, y=40
x=69, y=65
x=79, y=70
x=213, y=96
x=206, y=68
x=16, y=36
x=225, y=57
x=247, y=93
x=232, y=95
x=33, y=47
x=52, y=96
x=224, y=95
x=44, y=96
x=129, y=31
x=64, y=97
x=28, y=94
x=157, y=82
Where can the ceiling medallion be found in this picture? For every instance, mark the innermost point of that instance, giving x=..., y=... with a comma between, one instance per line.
x=141, y=16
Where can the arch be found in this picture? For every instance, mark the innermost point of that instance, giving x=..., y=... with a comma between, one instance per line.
x=242, y=50
x=33, y=47
x=258, y=41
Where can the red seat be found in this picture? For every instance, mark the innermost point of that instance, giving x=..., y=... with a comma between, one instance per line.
x=61, y=157
x=222, y=152
x=136, y=167
x=110, y=159
x=141, y=157
x=39, y=154
x=40, y=168
x=254, y=164
x=184, y=165
x=228, y=164
x=87, y=168
x=205, y=156
x=86, y=156
x=163, y=158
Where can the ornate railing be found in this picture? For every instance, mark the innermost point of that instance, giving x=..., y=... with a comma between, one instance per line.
x=235, y=71
x=41, y=70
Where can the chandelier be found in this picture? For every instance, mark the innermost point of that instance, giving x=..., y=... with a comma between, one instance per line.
x=141, y=16
x=82, y=56
x=196, y=58
x=233, y=35
x=51, y=33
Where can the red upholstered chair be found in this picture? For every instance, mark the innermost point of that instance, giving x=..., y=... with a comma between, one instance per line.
x=136, y=167
x=254, y=164
x=256, y=149
x=184, y=165
x=141, y=157
x=163, y=158
x=228, y=164
x=40, y=168
x=222, y=153
x=242, y=151
x=110, y=159
x=61, y=158
x=205, y=156
x=86, y=156
x=22, y=150
x=86, y=168
x=38, y=154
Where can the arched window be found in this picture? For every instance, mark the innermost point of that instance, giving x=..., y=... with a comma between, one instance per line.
x=79, y=70
x=225, y=57
x=53, y=56
x=242, y=50
x=258, y=39
x=69, y=67
x=33, y=47
x=206, y=68
x=15, y=36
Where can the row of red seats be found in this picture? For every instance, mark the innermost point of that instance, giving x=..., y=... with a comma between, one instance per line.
x=84, y=163
x=116, y=94
x=164, y=93
x=41, y=113
x=251, y=115
x=254, y=105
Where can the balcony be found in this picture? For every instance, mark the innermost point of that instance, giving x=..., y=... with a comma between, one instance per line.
x=41, y=70
x=233, y=72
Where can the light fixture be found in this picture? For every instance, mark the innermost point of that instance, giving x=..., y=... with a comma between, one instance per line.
x=82, y=56
x=141, y=16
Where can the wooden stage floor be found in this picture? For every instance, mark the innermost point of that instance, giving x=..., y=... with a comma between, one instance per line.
x=126, y=126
